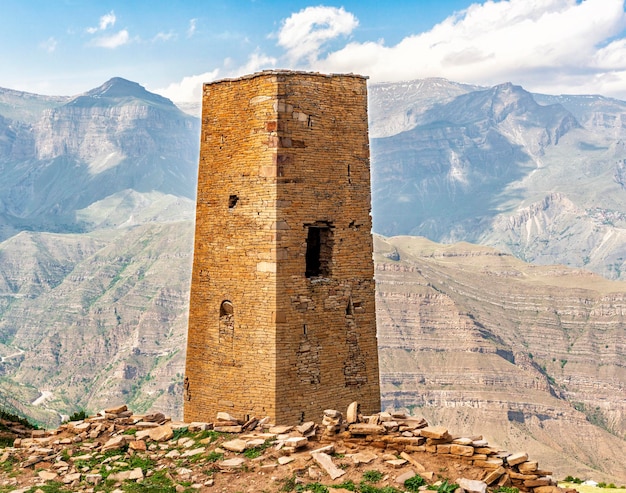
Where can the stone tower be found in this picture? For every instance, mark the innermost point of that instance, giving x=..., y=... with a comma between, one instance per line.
x=282, y=321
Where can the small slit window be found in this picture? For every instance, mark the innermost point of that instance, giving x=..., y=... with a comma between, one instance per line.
x=319, y=249
x=232, y=201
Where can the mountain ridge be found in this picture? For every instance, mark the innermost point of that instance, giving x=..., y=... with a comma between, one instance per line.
x=94, y=288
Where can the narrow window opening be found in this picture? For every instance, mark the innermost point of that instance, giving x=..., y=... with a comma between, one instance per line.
x=319, y=248
x=227, y=321
x=350, y=308
x=349, y=175
x=232, y=201
x=304, y=330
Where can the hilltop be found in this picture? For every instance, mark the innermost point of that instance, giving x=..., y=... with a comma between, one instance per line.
x=383, y=453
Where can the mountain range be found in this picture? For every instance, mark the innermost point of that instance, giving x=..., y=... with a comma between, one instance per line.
x=541, y=177
x=96, y=233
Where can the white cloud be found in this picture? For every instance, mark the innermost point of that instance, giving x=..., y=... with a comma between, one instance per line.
x=114, y=41
x=305, y=32
x=192, y=27
x=49, y=45
x=164, y=36
x=105, y=21
x=190, y=88
x=544, y=45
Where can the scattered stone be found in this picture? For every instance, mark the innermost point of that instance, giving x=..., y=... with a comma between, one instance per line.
x=418, y=466
x=401, y=479
x=279, y=430
x=517, y=458
x=296, y=442
x=352, y=415
x=191, y=453
x=114, y=443
x=436, y=432
x=234, y=463
x=306, y=428
x=236, y=445
x=494, y=475
x=285, y=460
x=366, y=429
x=472, y=485
x=229, y=429
x=117, y=409
x=396, y=463
x=47, y=475
x=363, y=457
x=326, y=463
x=161, y=433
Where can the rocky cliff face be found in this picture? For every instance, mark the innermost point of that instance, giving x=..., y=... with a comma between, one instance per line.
x=58, y=156
x=538, y=176
x=475, y=337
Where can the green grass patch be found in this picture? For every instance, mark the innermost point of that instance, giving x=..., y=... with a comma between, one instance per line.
x=314, y=487
x=413, y=484
x=372, y=476
x=50, y=487
x=214, y=456
x=254, y=452
x=346, y=485
x=444, y=487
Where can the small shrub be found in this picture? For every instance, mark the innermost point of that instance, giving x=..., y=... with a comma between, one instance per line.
x=346, y=485
x=78, y=415
x=214, y=456
x=372, y=476
x=289, y=484
x=253, y=453
x=180, y=433
x=506, y=489
x=314, y=487
x=413, y=484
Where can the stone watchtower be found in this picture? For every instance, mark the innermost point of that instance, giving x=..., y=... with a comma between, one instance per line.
x=282, y=321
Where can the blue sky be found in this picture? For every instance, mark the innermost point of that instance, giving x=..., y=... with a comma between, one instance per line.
x=66, y=47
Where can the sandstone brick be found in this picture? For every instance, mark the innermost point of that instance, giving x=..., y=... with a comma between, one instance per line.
x=494, y=475
x=528, y=467
x=464, y=450
x=517, y=458
x=436, y=432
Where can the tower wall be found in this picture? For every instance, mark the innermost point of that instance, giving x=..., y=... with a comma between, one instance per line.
x=282, y=316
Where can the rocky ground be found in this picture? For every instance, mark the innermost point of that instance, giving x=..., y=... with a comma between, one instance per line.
x=117, y=451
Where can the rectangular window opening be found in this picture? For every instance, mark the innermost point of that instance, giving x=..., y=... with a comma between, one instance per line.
x=319, y=249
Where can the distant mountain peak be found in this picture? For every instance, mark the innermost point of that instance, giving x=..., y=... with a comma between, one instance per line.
x=118, y=88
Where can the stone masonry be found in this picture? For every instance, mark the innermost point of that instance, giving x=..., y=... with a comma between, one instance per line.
x=282, y=317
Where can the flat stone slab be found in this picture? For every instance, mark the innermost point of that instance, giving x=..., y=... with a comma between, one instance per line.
x=366, y=429
x=326, y=463
x=436, y=432
x=279, y=430
x=296, y=442
x=236, y=445
x=363, y=457
x=396, y=463
x=472, y=485
x=517, y=458
x=191, y=453
x=234, y=463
